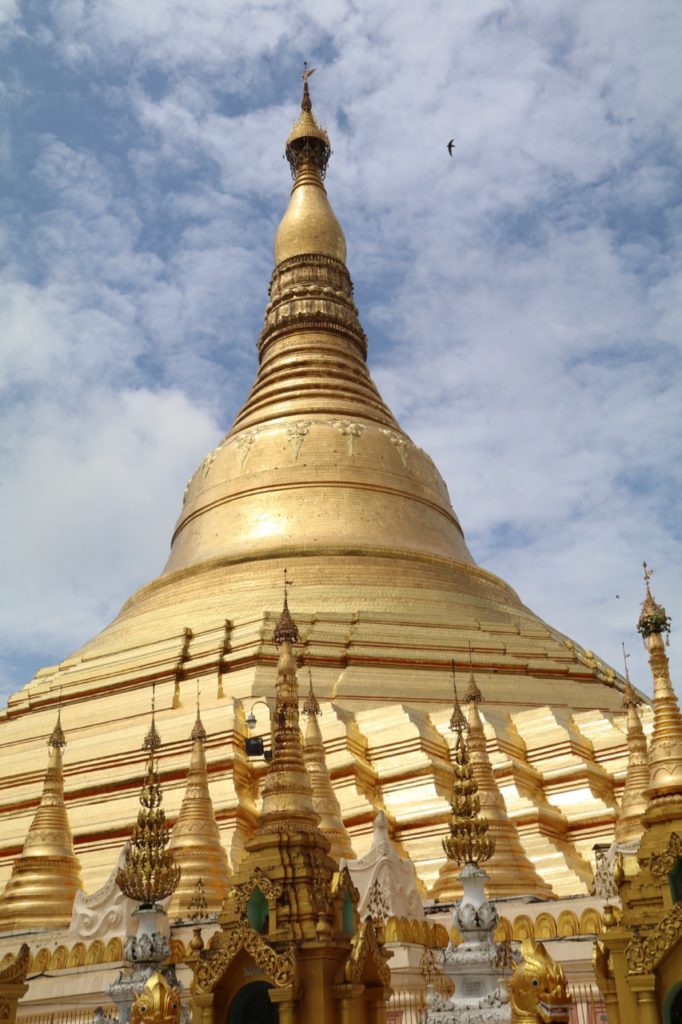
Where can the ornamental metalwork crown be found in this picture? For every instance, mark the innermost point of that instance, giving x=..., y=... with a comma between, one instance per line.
x=149, y=872
x=468, y=842
x=653, y=618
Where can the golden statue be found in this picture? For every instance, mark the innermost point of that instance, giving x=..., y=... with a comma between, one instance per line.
x=538, y=987
x=158, y=1003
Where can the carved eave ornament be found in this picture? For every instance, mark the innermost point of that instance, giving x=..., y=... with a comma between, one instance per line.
x=241, y=894
x=367, y=956
x=278, y=968
x=644, y=955
x=13, y=983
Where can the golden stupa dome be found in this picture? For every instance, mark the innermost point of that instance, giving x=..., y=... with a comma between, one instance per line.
x=317, y=476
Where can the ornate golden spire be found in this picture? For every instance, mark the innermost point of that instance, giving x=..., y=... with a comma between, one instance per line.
x=46, y=876
x=458, y=722
x=195, y=839
x=287, y=792
x=149, y=872
x=468, y=842
x=510, y=869
x=309, y=225
x=324, y=800
x=665, y=749
x=634, y=800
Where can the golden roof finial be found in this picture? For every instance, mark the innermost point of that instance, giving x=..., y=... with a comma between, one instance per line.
x=311, y=705
x=286, y=628
x=309, y=227
x=472, y=694
x=634, y=800
x=653, y=619
x=195, y=839
x=198, y=732
x=152, y=740
x=149, y=872
x=307, y=143
x=468, y=842
x=665, y=749
x=46, y=876
x=458, y=722
x=57, y=739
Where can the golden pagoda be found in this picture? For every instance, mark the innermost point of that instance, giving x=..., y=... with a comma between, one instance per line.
x=633, y=805
x=324, y=801
x=638, y=959
x=46, y=876
x=317, y=475
x=195, y=839
x=289, y=932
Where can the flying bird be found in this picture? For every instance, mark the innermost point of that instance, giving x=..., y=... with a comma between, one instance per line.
x=451, y=146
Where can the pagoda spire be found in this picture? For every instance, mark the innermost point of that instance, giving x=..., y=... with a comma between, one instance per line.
x=665, y=749
x=510, y=869
x=46, y=875
x=324, y=799
x=195, y=839
x=287, y=791
x=633, y=803
x=312, y=348
x=309, y=224
x=468, y=842
x=149, y=873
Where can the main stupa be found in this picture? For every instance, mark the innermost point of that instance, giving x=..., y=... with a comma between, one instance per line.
x=318, y=478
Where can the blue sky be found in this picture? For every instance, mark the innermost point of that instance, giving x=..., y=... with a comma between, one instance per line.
x=522, y=299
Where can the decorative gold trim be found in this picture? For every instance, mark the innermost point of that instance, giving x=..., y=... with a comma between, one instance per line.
x=14, y=973
x=661, y=864
x=644, y=955
x=365, y=944
x=279, y=968
x=241, y=894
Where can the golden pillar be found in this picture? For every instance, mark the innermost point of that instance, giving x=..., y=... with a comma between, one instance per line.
x=644, y=988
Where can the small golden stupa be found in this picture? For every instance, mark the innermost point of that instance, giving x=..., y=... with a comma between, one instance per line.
x=633, y=804
x=46, y=875
x=324, y=800
x=195, y=839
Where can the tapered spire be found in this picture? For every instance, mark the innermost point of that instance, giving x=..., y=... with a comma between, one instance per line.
x=149, y=873
x=324, y=800
x=469, y=841
x=634, y=801
x=287, y=791
x=195, y=839
x=46, y=876
x=309, y=224
x=665, y=749
x=511, y=871
x=312, y=348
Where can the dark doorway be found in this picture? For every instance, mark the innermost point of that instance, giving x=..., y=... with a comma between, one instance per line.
x=252, y=1005
x=676, y=1009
